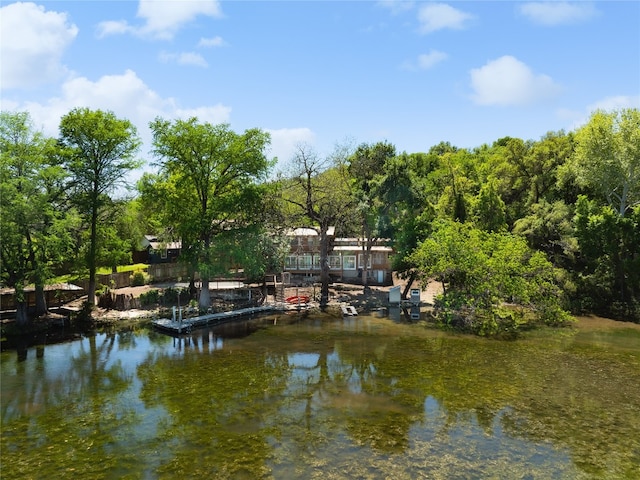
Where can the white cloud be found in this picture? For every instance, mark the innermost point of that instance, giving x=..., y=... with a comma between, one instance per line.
x=214, y=115
x=438, y=16
x=32, y=43
x=615, y=103
x=162, y=19
x=507, y=81
x=126, y=95
x=426, y=60
x=396, y=6
x=577, y=119
x=185, y=58
x=114, y=27
x=212, y=42
x=285, y=140
x=558, y=13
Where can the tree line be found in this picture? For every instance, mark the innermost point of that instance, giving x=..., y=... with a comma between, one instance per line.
x=516, y=231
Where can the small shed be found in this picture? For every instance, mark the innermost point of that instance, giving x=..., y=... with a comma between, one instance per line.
x=55, y=294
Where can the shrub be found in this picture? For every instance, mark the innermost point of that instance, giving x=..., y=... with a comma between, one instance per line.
x=149, y=298
x=138, y=279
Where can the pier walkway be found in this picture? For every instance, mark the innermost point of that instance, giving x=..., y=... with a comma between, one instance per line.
x=177, y=324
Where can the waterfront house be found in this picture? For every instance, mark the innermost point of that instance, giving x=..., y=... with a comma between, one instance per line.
x=346, y=258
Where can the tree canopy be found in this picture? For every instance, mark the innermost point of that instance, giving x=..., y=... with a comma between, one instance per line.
x=210, y=186
x=607, y=157
x=100, y=151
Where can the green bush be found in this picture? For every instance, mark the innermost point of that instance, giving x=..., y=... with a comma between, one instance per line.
x=173, y=296
x=138, y=279
x=149, y=298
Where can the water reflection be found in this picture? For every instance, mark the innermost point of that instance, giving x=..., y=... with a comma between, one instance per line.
x=306, y=397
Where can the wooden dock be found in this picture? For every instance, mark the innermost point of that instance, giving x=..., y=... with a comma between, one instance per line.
x=185, y=325
x=349, y=310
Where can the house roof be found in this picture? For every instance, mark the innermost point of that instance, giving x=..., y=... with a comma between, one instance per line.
x=358, y=248
x=309, y=232
x=166, y=245
x=65, y=287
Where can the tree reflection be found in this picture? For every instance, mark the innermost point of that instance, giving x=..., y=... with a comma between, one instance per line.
x=357, y=398
x=63, y=414
x=218, y=404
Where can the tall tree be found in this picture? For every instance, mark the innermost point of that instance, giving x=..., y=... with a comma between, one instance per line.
x=365, y=165
x=34, y=223
x=608, y=269
x=407, y=213
x=211, y=179
x=319, y=190
x=607, y=157
x=101, y=150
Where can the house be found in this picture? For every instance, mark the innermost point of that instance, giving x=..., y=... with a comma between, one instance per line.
x=346, y=258
x=153, y=251
x=349, y=258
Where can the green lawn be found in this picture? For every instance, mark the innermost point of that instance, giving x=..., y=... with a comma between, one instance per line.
x=101, y=271
x=123, y=268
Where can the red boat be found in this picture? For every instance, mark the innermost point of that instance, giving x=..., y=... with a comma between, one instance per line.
x=296, y=299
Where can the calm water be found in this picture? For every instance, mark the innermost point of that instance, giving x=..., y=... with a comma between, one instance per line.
x=320, y=397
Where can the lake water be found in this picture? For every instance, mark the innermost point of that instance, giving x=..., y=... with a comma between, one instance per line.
x=288, y=397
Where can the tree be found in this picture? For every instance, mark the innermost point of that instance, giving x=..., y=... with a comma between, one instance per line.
x=210, y=181
x=34, y=223
x=319, y=190
x=489, y=209
x=407, y=214
x=365, y=165
x=100, y=153
x=480, y=271
x=608, y=264
x=607, y=157
x=549, y=229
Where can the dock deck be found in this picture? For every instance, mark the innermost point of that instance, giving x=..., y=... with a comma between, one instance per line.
x=349, y=310
x=186, y=324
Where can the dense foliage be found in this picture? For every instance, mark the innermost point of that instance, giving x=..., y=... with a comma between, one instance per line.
x=517, y=231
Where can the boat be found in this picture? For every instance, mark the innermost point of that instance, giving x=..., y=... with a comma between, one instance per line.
x=297, y=299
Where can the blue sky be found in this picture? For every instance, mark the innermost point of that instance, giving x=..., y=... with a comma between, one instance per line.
x=326, y=72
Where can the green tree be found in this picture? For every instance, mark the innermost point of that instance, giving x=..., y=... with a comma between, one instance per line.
x=211, y=186
x=549, y=229
x=34, y=221
x=608, y=265
x=607, y=157
x=406, y=217
x=100, y=153
x=489, y=209
x=481, y=271
x=365, y=165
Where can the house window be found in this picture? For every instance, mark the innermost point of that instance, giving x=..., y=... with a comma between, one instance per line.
x=291, y=262
x=334, y=262
x=378, y=258
x=361, y=260
x=304, y=262
x=163, y=253
x=349, y=262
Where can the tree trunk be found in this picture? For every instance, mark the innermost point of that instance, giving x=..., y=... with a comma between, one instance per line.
x=412, y=278
x=205, y=295
x=22, y=314
x=324, y=267
x=41, y=301
x=91, y=261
